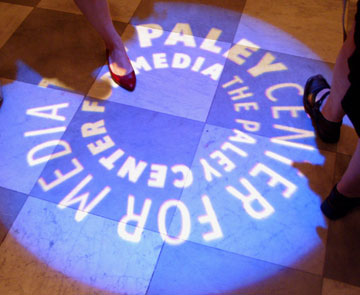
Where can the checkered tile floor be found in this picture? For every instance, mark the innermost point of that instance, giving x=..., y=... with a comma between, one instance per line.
x=207, y=179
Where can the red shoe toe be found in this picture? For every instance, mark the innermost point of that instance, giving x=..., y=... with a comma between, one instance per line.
x=127, y=82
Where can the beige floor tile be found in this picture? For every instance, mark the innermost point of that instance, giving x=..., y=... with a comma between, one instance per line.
x=17, y=266
x=342, y=250
x=60, y=5
x=22, y=273
x=331, y=287
x=121, y=10
x=54, y=48
x=316, y=25
x=11, y=16
x=342, y=161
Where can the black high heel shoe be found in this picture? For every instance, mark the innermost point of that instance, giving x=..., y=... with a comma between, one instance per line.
x=336, y=205
x=127, y=82
x=327, y=131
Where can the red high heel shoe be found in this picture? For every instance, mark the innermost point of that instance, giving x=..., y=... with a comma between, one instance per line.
x=127, y=82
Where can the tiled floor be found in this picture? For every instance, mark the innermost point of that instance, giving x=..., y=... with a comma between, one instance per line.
x=207, y=179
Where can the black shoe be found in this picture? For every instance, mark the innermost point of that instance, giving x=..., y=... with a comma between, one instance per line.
x=327, y=131
x=337, y=205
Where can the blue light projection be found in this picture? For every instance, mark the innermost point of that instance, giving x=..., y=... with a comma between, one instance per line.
x=202, y=155
x=19, y=126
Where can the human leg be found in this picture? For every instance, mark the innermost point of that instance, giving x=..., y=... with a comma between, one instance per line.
x=344, y=97
x=324, y=103
x=332, y=109
x=345, y=196
x=349, y=185
x=98, y=14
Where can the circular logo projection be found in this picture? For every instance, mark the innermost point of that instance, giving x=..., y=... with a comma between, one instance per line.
x=213, y=148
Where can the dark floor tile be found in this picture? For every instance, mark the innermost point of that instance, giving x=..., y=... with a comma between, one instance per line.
x=23, y=2
x=342, y=162
x=331, y=287
x=54, y=48
x=200, y=15
x=121, y=10
x=11, y=203
x=342, y=254
x=196, y=269
x=11, y=16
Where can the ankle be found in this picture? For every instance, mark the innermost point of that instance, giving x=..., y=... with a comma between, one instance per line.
x=346, y=192
x=115, y=44
x=331, y=113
